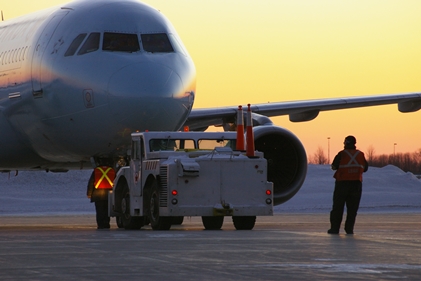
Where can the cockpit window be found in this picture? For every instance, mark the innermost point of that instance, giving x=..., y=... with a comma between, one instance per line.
x=75, y=44
x=156, y=43
x=163, y=145
x=170, y=144
x=120, y=42
x=91, y=44
x=176, y=45
x=211, y=144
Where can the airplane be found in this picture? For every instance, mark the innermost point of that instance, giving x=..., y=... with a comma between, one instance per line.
x=77, y=79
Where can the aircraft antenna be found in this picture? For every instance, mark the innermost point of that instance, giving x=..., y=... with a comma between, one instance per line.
x=2, y=19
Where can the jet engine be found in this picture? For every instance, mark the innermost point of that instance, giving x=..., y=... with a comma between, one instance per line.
x=286, y=158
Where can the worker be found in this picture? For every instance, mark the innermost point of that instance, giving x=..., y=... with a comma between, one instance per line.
x=100, y=182
x=349, y=165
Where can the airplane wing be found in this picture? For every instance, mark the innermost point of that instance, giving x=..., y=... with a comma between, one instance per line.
x=299, y=111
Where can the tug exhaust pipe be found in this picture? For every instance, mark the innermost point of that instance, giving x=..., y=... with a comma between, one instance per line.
x=240, y=129
x=250, y=134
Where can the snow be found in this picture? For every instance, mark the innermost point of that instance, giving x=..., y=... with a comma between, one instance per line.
x=41, y=193
x=385, y=190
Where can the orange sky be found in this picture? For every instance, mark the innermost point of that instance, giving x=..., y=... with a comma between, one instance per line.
x=249, y=51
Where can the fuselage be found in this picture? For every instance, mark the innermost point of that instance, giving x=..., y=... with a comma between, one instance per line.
x=76, y=80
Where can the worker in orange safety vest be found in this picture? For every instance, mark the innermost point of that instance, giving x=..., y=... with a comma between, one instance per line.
x=100, y=182
x=349, y=165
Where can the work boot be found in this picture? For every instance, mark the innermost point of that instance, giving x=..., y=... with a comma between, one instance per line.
x=333, y=231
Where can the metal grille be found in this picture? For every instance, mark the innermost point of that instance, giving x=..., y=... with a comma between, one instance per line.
x=163, y=190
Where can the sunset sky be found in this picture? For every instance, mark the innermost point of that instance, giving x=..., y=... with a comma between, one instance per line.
x=249, y=51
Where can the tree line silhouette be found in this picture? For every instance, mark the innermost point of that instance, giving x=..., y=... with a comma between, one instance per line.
x=407, y=162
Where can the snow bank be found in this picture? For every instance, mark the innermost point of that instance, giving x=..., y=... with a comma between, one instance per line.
x=387, y=189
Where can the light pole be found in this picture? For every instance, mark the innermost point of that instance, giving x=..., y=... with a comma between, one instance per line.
x=328, y=150
x=394, y=145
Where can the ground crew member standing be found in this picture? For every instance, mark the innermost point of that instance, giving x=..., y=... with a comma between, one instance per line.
x=100, y=182
x=349, y=164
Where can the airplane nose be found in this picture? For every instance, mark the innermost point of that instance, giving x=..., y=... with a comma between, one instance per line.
x=145, y=80
x=148, y=96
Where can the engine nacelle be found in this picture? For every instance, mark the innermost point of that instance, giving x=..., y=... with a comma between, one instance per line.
x=286, y=157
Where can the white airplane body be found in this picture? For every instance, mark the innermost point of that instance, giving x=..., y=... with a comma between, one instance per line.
x=77, y=79
x=49, y=98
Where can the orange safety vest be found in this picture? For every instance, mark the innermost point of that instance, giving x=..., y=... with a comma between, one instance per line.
x=351, y=166
x=104, y=177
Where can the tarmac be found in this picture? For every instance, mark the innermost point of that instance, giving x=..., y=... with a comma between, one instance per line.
x=385, y=246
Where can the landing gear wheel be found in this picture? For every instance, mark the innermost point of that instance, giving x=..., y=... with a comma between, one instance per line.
x=212, y=223
x=127, y=220
x=157, y=222
x=177, y=220
x=244, y=222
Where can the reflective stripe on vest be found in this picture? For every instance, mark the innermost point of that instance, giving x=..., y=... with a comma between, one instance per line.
x=352, y=161
x=351, y=166
x=104, y=177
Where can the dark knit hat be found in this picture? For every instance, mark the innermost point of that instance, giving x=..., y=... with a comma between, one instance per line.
x=350, y=140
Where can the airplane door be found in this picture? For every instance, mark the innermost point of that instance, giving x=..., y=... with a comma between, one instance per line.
x=41, y=45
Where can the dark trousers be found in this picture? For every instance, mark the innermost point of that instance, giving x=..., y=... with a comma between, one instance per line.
x=349, y=193
x=102, y=218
